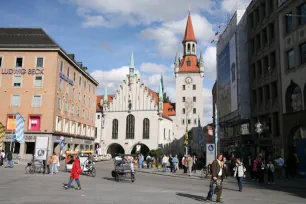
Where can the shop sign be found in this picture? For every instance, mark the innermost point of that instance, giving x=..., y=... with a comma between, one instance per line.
x=23, y=71
x=245, y=129
x=27, y=138
x=65, y=78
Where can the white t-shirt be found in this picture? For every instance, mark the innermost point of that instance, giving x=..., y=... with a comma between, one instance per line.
x=220, y=172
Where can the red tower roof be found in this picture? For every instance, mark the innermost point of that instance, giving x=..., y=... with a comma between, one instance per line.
x=189, y=33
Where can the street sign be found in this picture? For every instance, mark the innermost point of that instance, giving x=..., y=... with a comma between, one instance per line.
x=210, y=153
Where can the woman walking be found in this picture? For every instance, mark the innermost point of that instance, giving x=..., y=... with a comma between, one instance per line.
x=239, y=173
x=54, y=160
x=75, y=174
x=271, y=170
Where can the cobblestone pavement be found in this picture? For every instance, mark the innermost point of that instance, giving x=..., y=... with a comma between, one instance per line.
x=19, y=188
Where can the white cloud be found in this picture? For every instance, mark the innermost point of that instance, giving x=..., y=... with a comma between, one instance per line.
x=210, y=63
x=169, y=35
x=207, y=110
x=153, y=68
x=114, y=13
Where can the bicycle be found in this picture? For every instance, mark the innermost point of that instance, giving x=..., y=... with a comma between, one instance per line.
x=34, y=167
x=205, y=171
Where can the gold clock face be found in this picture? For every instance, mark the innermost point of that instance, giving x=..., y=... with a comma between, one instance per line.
x=188, y=80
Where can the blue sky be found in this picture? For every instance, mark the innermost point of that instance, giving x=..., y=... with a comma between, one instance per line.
x=103, y=33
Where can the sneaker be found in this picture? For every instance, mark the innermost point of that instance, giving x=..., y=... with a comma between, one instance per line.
x=78, y=188
x=66, y=187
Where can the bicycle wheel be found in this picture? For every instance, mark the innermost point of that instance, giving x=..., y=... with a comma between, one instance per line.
x=27, y=169
x=93, y=172
x=32, y=170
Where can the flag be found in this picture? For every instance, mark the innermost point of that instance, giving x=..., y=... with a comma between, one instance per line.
x=19, y=132
x=186, y=134
x=200, y=131
x=162, y=82
x=2, y=133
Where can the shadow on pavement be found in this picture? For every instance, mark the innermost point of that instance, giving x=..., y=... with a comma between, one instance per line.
x=194, y=197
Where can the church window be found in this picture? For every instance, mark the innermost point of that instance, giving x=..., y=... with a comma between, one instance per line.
x=115, y=129
x=194, y=87
x=146, y=128
x=184, y=111
x=184, y=99
x=188, y=47
x=194, y=99
x=130, y=127
x=184, y=87
x=188, y=62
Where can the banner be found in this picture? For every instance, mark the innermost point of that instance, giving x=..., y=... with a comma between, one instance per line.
x=19, y=132
x=210, y=153
x=2, y=134
x=41, y=148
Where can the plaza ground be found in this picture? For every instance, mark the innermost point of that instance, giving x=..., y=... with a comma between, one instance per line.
x=150, y=187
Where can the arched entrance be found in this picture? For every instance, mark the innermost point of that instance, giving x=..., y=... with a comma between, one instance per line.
x=144, y=149
x=114, y=149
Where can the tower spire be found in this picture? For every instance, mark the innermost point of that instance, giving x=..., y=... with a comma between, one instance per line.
x=105, y=101
x=132, y=66
x=189, y=33
x=161, y=93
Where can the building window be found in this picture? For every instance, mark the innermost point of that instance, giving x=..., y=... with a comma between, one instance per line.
x=115, y=129
x=84, y=84
x=17, y=81
x=302, y=14
x=194, y=87
x=84, y=99
x=62, y=66
x=194, y=99
x=68, y=72
x=59, y=103
x=274, y=90
x=188, y=62
x=30, y=147
x=60, y=86
x=34, y=123
x=72, y=109
x=184, y=99
x=73, y=92
x=19, y=62
x=303, y=52
x=194, y=110
x=288, y=19
x=80, y=81
x=189, y=121
x=88, y=87
x=164, y=133
x=15, y=101
x=38, y=82
x=98, y=117
x=74, y=74
x=194, y=121
x=146, y=128
x=79, y=96
x=130, y=127
x=293, y=98
x=0, y=61
x=184, y=87
x=184, y=111
x=36, y=101
x=11, y=122
x=39, y=62
x=271, y=32
x=290, y=59
x=183, y=122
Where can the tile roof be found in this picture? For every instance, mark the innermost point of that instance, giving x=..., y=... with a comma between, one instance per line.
x=25, y=38
x=101, y=97
x=168, y=110
x=189, y=33
x=193, y=64
x=154, y=95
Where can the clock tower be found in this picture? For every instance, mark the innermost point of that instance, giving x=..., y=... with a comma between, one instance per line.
x=189, y=74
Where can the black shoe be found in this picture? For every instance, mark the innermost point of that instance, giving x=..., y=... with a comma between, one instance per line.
x=78, y=188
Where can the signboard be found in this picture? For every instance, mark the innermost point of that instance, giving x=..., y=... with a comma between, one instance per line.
x=245, y=129
x=210, y=153
x=27, y=138
x=23, y=71
x=65, y=78
x=41, y=148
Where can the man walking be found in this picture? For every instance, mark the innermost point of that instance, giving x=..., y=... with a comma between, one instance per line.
x=239, y=173
x=9, y=160
x=216, y=180
x=190, y=164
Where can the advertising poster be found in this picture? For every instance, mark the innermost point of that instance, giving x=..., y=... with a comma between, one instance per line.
x=227, y=79
x=210, y=153
x=41, y=148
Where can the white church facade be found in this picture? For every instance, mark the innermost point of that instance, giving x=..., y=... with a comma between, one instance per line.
x=137, y=115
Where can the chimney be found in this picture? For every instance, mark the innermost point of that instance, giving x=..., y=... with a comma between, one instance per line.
x=84, y=68
x=80, y=64
x=71, y=56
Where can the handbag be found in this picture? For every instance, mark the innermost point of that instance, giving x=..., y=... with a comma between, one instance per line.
x=79, y=171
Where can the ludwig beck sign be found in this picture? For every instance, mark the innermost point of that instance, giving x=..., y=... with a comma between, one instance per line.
x=22, y=71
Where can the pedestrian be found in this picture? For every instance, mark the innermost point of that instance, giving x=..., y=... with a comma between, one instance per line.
x=190, y=164
x=195, y=163
x=9, y=160
x=174, y=163
x=165, y=162
x=255, y=169
x=280, y=163
x=171, y=163
x=140, y=161
x=225, y=167
x=54, y=160
x=2, y=157
x=239, y=173
x=177, y=164
x=261, y=169
x=216, y=180
x=75, y=174
x=271, y=170
x=185, y=163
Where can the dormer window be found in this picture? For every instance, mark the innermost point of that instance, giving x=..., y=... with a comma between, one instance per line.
x=188, y=62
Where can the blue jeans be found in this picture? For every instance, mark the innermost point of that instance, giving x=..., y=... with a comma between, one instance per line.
x=240, y=179
x=140, y=165
x=9, y=163
x=76, y=180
